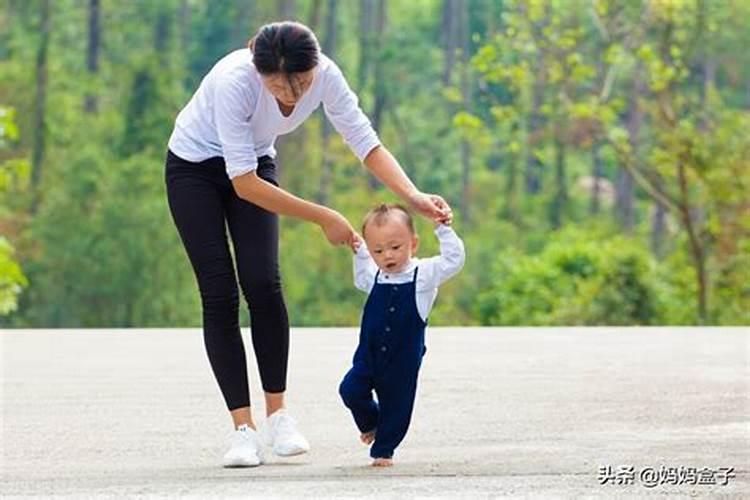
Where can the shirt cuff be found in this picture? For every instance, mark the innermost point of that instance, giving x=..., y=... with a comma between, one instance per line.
x=363, y=149
x=362, y=252
x=444, y=230
x=234, y=170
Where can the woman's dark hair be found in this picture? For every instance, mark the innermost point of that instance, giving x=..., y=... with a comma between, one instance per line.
x=284, y=47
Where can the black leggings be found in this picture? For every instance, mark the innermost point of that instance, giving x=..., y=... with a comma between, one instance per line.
x=203, y=204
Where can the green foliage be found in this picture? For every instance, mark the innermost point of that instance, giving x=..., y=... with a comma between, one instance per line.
x=575, y=280
x=113, y=257
x=12, y=174
x=547, y=82
x=12, y=279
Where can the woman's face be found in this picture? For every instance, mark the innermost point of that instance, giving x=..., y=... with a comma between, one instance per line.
x=289, y=89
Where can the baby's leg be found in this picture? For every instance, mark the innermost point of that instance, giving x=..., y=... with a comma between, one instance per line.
x=356, y=392
x=382, y=462
x=396, y=392
x=367, y=437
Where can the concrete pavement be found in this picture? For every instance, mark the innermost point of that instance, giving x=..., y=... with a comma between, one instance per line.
x=501, y=412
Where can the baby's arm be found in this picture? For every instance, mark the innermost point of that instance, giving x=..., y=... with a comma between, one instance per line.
x=364, y=268
x=440, y=268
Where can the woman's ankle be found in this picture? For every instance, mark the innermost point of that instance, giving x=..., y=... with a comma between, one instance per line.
x=274, y=402
x=242, y=416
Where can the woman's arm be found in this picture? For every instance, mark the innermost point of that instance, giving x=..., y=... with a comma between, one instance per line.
x=342, y=108
x=252, y=188
x=385, y=167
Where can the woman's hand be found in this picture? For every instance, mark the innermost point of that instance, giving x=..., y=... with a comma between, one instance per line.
x=338, y=231
x=432, y=206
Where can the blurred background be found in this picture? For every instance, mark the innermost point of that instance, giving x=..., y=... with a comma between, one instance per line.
x=597, y=155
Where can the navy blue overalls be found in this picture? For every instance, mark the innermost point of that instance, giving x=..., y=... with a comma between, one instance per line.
x=387, y=360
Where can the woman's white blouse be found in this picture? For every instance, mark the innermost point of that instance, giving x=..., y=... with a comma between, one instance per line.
x=233, y=115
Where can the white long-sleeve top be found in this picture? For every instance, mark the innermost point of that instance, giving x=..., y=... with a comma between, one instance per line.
x=432, y=272
x=233, y=115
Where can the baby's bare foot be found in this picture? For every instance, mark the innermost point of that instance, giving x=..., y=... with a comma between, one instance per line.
x=382, y=462
x=367, y=437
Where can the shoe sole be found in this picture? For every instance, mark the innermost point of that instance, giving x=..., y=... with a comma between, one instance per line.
x=241, y=466
x=295, y=453
x=244, y=465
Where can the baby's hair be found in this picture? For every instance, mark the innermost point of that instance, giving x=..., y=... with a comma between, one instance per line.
x=383, y=212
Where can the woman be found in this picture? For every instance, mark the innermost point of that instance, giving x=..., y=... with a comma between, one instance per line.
x=221, y=172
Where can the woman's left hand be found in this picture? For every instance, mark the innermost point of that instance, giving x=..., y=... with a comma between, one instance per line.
x=432, y=206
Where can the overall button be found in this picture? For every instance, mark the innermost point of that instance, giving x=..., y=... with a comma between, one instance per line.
x=384, y=348
x=395, y=288
x=391, y=309
x=387, y=328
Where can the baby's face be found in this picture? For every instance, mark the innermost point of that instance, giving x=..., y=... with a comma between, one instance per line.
x=391, y=244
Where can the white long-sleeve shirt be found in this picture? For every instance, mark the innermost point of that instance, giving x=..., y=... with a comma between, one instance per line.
x=432, y=272
x=233, y=115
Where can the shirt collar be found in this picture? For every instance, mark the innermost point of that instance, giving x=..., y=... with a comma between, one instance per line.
x=407, y=270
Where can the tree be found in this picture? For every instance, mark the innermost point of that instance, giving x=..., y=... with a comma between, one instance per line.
x=92, y=53
x=40, y=100
x=688, y=149
x=329, y=47
x=12, y=173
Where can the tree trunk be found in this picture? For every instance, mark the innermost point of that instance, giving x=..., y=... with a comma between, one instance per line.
x=314, y=18
x=40, y=104
x=287, y=10
x=366, y=41
x=380, y=98
x=624, y=184
x=184, y=25
x=534, y=167
x=561, y=193
x=697, y=248
x=6, y=34
x=597, y=172
x=704, y=65
x=92, y=55
x=380, y=86
x=510, y=210
x=245, y=23
x=449, y=24
x=709, y=83
x=624, y=198
x=658, y=230
x=465, y=37
x=329, y=47
x=597, y=169
x=161, y=36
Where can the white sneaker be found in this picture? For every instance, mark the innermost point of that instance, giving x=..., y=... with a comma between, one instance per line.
x=281, y=434
x=245, y=449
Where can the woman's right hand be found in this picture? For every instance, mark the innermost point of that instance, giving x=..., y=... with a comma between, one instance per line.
x=337, y=229
x=432, y=206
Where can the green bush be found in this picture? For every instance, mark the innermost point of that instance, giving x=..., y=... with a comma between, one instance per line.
x=573, y=281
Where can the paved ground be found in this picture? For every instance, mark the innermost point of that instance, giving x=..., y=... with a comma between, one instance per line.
x=500, y=412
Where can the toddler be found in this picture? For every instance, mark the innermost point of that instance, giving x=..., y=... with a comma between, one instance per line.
x=402, y=290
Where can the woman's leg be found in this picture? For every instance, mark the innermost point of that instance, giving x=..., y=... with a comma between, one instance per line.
x=196, y=199
x=255, y=236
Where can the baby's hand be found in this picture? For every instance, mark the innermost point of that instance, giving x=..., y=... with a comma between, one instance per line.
x=445, y=221
x=356, y=242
